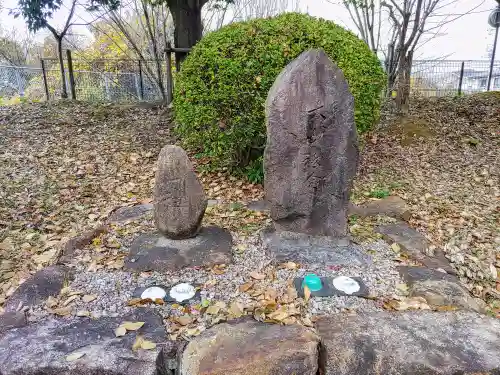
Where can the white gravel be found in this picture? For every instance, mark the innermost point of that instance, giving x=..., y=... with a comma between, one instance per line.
x=114, y=288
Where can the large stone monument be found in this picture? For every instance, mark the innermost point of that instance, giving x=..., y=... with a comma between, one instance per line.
x=179, y=206
x=310, y=159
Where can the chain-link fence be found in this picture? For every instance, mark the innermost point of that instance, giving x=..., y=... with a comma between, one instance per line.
x=114, y=80
x=15, y=82
x=447, y=77
x=133, y=80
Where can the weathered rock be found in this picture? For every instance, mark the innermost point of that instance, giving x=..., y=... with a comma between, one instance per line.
x=154, y=252
x=127, y=213
x=305, y=249
x=439, y=288
x=329, y=288
x=179, y=199
x=43, y=284
x=392, y=206
x=311, y=154
x=14, y=319
x=43, y=348
x=415, y=245
x=81, y=241
x=405, y=343
x=251, y=348
x=213, y=202
x=259, y=206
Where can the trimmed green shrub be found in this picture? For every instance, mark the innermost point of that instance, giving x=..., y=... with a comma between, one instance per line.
x=223, y=84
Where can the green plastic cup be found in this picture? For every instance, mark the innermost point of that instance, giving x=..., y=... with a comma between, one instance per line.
x=313, y=282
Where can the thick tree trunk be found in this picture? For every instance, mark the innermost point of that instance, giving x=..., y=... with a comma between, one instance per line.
x=64, y=92
x=404, y=81
x=188, y=24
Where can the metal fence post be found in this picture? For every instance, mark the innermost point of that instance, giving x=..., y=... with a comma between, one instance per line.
x=461, y=78
x=170, y=78
x=141, y=84
x=492, y=63
x=106, y=85
x=71, y=74
x=137, y=89
x=44, y=75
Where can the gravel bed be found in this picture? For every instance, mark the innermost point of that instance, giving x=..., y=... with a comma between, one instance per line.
x=114, y=288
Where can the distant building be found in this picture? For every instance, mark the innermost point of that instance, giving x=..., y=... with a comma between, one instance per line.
x=477, y=80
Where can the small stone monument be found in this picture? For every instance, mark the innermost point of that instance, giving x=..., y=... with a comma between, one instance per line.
x=179, y=206
x=179, y=199
x=310, y=161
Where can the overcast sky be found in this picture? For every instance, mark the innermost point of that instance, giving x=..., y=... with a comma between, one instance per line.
x=466, y=38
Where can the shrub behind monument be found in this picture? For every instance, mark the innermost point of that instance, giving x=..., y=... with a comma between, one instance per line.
x=224, y=82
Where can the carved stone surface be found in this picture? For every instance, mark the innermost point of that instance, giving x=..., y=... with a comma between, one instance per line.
x=311, y=153
x=179, y=199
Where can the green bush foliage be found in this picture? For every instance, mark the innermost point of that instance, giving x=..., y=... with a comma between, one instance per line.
x=223, y=84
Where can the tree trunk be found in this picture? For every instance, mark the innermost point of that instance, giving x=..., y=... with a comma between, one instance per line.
x=64, y=92
x=188, y=25
x=154, y=43
x=404, y=81
x=390, y=68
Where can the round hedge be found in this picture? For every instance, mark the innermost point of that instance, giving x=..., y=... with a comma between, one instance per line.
x=223, y=84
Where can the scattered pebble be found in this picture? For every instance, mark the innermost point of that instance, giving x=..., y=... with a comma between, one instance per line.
x=114, y=288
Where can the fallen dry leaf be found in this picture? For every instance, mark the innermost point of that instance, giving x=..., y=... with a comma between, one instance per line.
x=290, y=266
x=446, y=308
x=132, y=326
x=307, y=322
x=147, y=345
x=213, y=310
x=241, y=248
x=395, y=246
x=257, y=276
x=74, y=356
x=414, y=303
x=7, y=245
x=292, y=293
x=51, y=302
x=236, y=309
x=120, y=331
x=270, y=294
x=193, y=331
x=46, y=257
x=137, y=343
x=70, y=299
x=279, y=315
x=403, y=288
x=184, y=320
x=63, y=311
x=245, y=287
x=89, y=298
x=307, y=293
x=134, y=301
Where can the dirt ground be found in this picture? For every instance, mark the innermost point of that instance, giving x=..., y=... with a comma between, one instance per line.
x=65, y=166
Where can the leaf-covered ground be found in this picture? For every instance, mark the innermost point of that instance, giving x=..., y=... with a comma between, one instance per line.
x=65, y=166
x=444, y=160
